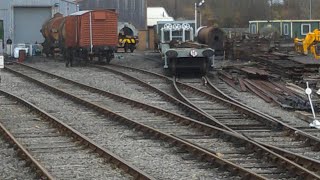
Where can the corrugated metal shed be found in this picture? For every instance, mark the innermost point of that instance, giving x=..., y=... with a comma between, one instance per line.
x=9, y=14
x=131, y=11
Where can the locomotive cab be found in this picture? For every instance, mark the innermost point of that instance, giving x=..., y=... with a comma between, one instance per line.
x=128, y=36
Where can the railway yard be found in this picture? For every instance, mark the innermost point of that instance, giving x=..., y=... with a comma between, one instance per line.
x=127, y=120
x=128, y=90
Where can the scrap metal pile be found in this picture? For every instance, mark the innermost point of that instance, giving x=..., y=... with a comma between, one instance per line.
x=286, y=67
x=279, y=74
x=241, y=47
x=263, y=84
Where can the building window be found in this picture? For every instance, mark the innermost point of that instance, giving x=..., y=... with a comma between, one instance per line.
x=253, y=29
x=305, y=29
x=286, y=29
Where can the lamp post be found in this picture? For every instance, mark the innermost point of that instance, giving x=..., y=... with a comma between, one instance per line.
x=196, y=5
x=310, y=9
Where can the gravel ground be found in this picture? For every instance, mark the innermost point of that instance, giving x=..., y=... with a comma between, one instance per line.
x=59, y=154
x=110, y=82
x=115, y=84
x=11, y=167
x=130, y=145
x=106, y=80
x=136, y=60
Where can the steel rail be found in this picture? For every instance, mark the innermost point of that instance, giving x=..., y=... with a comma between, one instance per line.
x=199, y=152
x=41, y=171
x=104, y=153
x=303, y=135
x=275, y=122
x=308, y=163
x=200, y=115
x=292, y=165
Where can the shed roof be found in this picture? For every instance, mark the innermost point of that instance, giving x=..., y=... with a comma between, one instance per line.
x=79, y=13
x=306, y=20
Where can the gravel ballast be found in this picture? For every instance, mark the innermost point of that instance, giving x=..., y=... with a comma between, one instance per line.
x=156, y=158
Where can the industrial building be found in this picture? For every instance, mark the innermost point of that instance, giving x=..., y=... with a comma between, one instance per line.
x=131, y=11
x=23, y=19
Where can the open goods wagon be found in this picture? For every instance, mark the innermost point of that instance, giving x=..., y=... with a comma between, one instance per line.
x=84, y=35
x=179, y=50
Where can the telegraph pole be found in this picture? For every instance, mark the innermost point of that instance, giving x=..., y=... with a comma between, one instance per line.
x=271, y=7
x=310, y=9
x=176, y=9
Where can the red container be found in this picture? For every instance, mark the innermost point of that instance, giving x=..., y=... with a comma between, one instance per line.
x=97, y=28
x=22, y=56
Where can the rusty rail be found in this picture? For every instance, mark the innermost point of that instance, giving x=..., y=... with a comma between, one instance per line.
x=311, y=164
x=302, y=135
x=104, y=153
x=276, y=158
x=42, y=172
x=199, y=152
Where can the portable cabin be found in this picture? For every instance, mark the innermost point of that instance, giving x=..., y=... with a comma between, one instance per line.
x=287, y=28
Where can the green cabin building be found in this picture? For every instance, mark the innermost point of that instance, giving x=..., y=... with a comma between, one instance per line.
x=286, y=28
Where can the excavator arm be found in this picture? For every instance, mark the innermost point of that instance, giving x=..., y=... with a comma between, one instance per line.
x=310, y=42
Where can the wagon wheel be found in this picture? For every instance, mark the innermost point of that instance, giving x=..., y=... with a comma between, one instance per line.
x=132, y=48
x=108, y=59
x=100, y=58
x=168, y=26
x=173, y=67
x=91, y=57
x=126, y=47
x=69, y=55
x=109, y=56
x=64, y=55
x=186, y=26
x=203, y=67
x=85, y=57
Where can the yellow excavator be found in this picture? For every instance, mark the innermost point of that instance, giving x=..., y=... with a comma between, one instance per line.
x=310, y=42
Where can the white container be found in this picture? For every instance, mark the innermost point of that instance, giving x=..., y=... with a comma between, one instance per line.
x=1, y=62
x=1, y=47
x=16, y=51
x=9, y=49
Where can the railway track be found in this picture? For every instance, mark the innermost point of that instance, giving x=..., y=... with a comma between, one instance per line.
x=11, y=154
x=288, y=132
x=161, y=158
x=234, y=149
x=218, y=87
x=11, y=166
x=158, y=91
x=249, y=122
x=215, y=88
x=55, y=149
